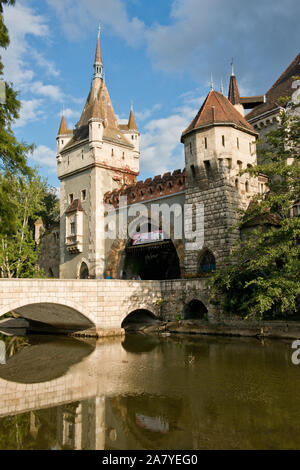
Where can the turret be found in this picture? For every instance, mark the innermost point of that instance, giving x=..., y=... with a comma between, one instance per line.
x=219, y=142
x=64, y=135
x=131, y=132
x=96, y=126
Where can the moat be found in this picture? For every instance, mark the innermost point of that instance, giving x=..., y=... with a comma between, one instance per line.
x=148, y=392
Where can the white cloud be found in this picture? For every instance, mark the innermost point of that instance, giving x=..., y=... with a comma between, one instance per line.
x=30, y=111
x=44, y=156
x=51, y=91
x=112, y=13
x=69, y=113
x=21, y=21
x=199, y=37
x=146, y=113
x=161, y=149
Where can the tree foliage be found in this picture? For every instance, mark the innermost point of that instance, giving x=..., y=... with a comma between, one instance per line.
x=18, y=251
x=262, y=277
x=13, y=154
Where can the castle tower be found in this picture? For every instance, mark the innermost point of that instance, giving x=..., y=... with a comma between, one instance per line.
x=97, y=156
x=218, y=143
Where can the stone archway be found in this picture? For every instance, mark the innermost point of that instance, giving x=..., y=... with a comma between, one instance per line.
x=116, y=258
x=195, y=310
x=84, y=271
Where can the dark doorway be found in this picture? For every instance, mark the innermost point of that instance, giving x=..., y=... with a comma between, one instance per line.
x=195, y=310
x=84, y=271
x=154, y=261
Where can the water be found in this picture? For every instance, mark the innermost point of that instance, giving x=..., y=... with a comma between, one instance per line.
x=146, y=392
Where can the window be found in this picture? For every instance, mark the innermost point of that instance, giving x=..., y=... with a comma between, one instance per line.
x=193, y=171
x=191, y=150
x=237, y=143
x=247, y=186
x=123, y=156
x=250, y=147
x=223, y=140
x=62, y=142
x=82, y=154
x=132, y=137
x=112, y=152
x=240, y=165
x=236, y=183
x=83, y=195
x=205, y=142
x=71, y=198
x=72, y=228
x=207, y=167
x=207, y=262
x=68, y=160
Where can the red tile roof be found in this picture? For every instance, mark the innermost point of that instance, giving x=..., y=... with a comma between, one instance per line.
x=217, y=109
x=281, y=88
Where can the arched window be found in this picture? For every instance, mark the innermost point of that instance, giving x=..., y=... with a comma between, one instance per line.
x=84, y=271
x=207, y=262
x=247, y=186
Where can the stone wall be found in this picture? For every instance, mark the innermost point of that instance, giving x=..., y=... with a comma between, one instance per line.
x=48, y=259
x=105, y=303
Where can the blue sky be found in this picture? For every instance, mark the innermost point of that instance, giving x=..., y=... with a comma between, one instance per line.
x=158, y=53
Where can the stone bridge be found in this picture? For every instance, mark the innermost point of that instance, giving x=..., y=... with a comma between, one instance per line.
x=99, y=304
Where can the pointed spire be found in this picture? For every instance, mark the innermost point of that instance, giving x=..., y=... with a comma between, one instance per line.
x=98, y=68
x=131, y=120
x=211, y=82
x=233, y=94
x=63, y=128
x=98, y=59
x=222, y=87
x=232, y=68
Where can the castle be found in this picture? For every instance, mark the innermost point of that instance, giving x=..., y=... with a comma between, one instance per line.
x=98, y=163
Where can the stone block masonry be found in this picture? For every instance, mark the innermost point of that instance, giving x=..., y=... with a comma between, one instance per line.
x=100, y=304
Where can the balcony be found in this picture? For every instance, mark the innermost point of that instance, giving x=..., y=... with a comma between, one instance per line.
x=74, y=243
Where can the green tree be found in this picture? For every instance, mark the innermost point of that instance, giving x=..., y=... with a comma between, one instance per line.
x=18, y=251
x=13, y=154
x=262, y=277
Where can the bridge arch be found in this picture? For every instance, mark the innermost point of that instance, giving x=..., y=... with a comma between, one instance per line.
x=66, y=315
x=195, y=309
x=139, y=315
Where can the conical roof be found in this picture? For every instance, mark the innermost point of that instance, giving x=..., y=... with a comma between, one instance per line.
x=217, y=109
x=132, y=121
x=98, y=105
x=233, y=94
x=63, y=128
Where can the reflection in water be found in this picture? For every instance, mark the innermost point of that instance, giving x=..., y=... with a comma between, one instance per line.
x=42, y=357
x=174, y=393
